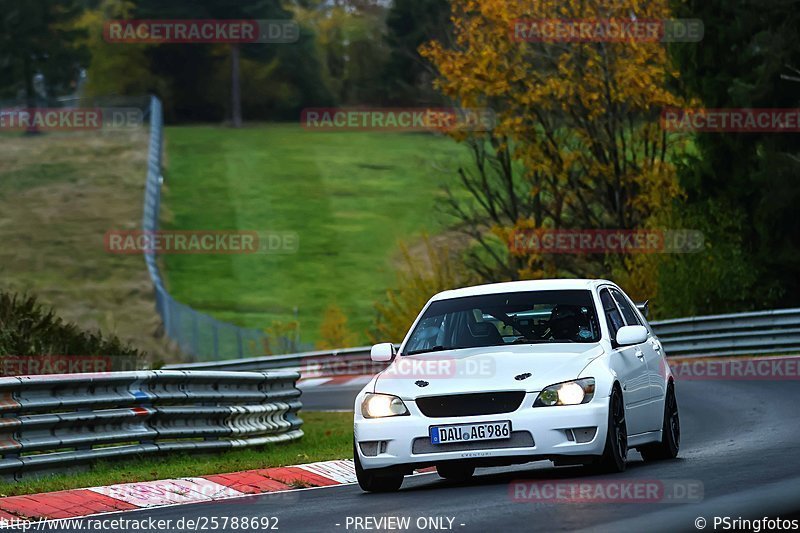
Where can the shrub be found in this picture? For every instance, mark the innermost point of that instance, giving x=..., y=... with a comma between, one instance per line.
x=28, y=328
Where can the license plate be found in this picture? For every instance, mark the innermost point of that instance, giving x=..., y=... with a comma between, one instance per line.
x=471, y=432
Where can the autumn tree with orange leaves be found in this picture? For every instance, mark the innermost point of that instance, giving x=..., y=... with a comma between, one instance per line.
x=577, y=142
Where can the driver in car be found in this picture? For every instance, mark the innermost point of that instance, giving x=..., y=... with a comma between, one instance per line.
x=568, y=322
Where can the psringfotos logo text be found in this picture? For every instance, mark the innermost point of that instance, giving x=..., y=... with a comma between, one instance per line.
x=397, y=119
x=70, y=119
x=585, y=241
x=201, y=242
x=200, y=31
x=613, y=30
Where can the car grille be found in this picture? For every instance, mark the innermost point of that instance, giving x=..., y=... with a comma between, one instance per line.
x=484, y=403
x=519, y=439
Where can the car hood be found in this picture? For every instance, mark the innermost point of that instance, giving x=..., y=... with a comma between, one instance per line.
x=485, y=369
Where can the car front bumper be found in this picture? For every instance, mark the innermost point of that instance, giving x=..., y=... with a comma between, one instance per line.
x=537, y=433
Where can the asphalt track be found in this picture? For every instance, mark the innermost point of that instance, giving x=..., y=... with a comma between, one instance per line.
x=741, y=439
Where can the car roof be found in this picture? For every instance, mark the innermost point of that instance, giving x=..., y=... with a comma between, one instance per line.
x=522, y=286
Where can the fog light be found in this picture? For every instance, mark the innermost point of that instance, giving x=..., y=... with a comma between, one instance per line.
x=369, y=449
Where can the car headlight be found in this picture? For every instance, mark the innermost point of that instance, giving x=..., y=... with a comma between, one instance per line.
x=567, y=393
x=382, y=405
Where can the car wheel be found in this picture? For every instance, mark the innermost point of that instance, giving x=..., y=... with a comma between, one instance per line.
x=370, y=481
x=455, y=471
x=615, y=453
x=670, y=442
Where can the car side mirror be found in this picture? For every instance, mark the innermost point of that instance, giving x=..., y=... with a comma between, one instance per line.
x=628, y=335
x=382, y=353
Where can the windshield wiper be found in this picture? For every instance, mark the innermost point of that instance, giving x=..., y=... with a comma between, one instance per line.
x=437, y=348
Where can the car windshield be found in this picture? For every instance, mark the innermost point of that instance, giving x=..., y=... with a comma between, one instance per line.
x=565, y=316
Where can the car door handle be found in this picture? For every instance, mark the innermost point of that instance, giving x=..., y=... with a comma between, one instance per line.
x=640, y=355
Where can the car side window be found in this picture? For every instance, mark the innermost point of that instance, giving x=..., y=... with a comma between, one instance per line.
x=613, y=317
x=631, y=319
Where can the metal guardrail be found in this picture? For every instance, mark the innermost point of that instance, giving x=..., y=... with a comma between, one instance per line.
x=308, y=364
x=197, y=334
x=56, y=422
x=776, y=331
x=760, y=332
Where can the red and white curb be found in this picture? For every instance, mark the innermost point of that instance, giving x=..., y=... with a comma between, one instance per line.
x=149, y=494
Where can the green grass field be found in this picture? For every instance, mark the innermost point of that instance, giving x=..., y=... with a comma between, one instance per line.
x=350, y=197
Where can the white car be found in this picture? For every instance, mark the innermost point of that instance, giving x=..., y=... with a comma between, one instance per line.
x=564, y=370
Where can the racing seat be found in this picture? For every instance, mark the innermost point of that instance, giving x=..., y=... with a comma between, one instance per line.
x=479, y=334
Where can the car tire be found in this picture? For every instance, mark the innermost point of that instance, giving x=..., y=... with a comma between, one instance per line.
x=670, y=443
x=615, y=453
x=455, y=471
x=371, y=481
